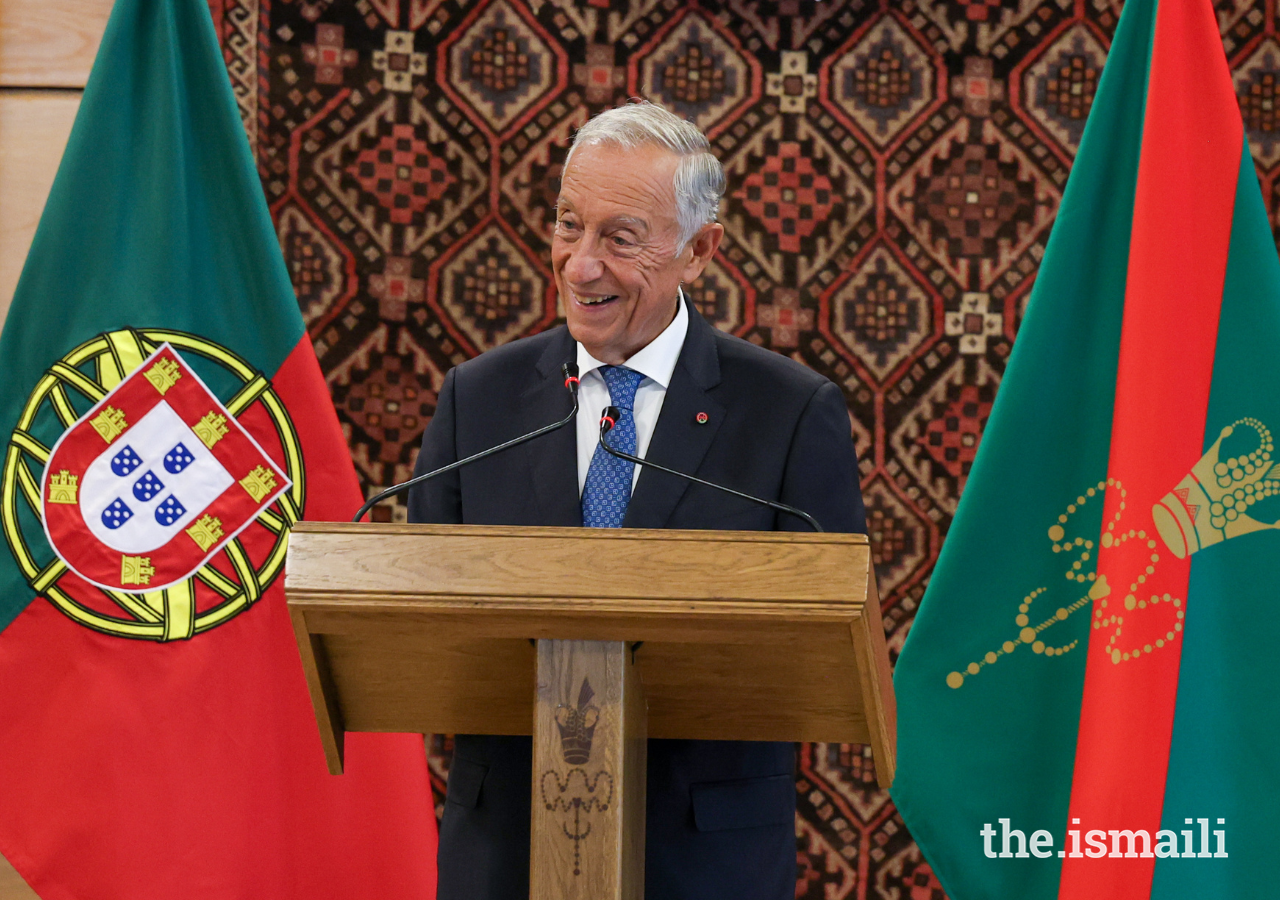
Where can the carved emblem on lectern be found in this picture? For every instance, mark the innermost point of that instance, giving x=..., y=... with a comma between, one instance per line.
x=577, y=726
x=577, y=794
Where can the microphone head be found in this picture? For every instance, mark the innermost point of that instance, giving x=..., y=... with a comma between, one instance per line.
x=609, y=418
x=570, y=372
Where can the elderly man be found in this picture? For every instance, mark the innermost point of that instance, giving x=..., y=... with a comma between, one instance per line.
x=636, y=217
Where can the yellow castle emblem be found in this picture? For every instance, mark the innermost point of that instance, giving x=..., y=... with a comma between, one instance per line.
x=63, y=487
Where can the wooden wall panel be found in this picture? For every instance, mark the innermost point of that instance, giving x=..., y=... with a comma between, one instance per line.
x=44, y=44
x=12, y=887
x=49, y=43
x=33, y=132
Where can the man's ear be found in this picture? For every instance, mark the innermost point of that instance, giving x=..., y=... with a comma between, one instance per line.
x=703, y=246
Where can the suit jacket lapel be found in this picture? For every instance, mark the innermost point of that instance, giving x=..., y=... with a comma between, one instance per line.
x=679, y=440
x=553, y=458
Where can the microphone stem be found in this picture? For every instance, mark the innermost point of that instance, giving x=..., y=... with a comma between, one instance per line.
x=780, y=507
x=514, y=442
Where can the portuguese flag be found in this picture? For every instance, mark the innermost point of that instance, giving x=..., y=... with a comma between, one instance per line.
x=164, y=423
x=1087, y=696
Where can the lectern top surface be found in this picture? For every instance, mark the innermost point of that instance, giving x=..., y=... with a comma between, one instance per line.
x=550, y=531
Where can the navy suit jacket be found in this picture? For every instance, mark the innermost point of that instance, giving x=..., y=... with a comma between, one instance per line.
x=720, y=814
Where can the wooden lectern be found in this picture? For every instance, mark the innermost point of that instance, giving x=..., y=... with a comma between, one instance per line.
x=727, y=635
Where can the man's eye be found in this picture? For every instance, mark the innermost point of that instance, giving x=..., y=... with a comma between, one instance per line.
x=566, y=224
x=620, y=241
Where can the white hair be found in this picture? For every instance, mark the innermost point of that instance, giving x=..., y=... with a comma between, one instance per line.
x=699, y=178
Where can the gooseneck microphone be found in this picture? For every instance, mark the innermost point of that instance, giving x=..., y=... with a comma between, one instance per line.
x=570, y=372
x=609, y=418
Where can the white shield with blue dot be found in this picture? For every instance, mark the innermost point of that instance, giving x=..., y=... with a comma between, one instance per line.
x=152, y=482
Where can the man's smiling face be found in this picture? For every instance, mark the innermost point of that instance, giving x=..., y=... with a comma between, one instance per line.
x=614, y=248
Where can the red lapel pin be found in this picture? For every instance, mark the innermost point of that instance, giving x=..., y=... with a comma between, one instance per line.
x=701, y=418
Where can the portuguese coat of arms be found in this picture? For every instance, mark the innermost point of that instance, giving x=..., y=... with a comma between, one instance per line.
x=150, y=484
x=153, y=480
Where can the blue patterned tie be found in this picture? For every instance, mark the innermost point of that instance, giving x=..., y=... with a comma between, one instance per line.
x=608, y=489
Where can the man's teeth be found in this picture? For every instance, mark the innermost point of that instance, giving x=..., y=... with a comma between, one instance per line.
x=592, y=301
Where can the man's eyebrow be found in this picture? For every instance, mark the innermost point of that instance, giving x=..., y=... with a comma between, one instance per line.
x=635, y=223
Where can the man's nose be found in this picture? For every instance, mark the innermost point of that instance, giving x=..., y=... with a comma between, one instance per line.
x=584, y=264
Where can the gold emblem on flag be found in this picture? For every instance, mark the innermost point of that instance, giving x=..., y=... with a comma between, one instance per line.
x=206, y=531
x=110, y=423
x=1212, y=503
x=1083, y=570
x=136, y=570
x=1032, y=621
x=163, y=375
x=62, y=487
x=231, y=581
x=211, y=429
x=260, y=482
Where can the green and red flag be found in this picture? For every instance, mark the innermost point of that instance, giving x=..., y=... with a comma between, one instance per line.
x=1086, y=696
x=165, y=422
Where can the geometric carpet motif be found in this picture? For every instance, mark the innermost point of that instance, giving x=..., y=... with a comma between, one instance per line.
x=893, y=173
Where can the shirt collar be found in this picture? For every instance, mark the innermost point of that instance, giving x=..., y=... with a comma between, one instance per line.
x=656, y=360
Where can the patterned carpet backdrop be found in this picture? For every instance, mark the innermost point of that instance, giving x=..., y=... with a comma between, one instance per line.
x=894, y=170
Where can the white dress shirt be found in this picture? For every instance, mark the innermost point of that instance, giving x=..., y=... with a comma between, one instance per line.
x=655, y=362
